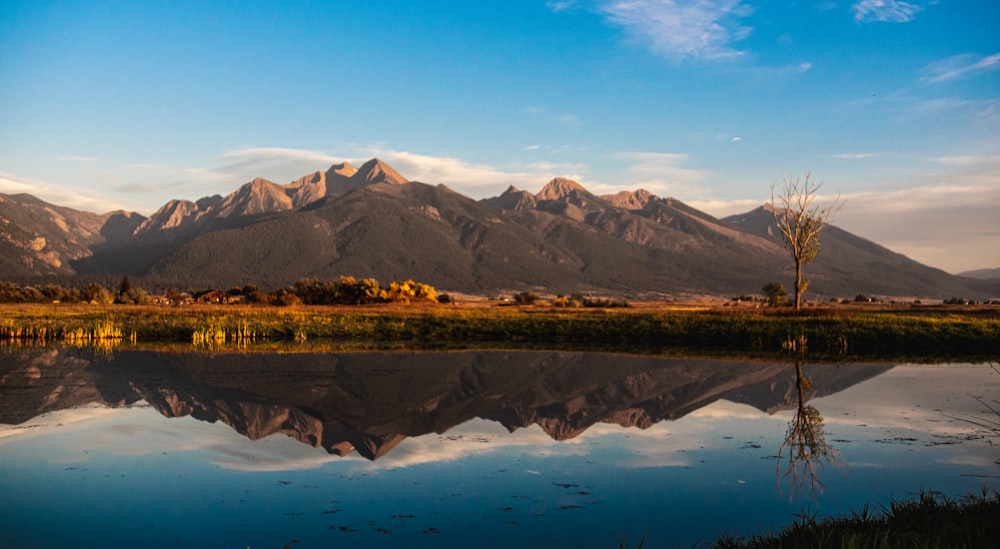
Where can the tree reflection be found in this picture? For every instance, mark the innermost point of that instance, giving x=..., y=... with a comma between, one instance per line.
x=805, y=444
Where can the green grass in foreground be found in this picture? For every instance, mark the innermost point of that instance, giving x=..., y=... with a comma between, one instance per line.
x=833, y=334
x=930, y=521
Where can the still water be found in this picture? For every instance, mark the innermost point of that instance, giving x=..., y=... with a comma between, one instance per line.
x=467, y=448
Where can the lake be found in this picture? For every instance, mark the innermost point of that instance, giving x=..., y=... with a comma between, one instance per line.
x=467, y=448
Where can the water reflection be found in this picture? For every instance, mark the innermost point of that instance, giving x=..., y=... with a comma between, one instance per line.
x=369, y=402
x=805, y=451
x=480, y=448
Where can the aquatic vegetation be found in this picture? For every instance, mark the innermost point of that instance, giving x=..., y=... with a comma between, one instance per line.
x=99, y=332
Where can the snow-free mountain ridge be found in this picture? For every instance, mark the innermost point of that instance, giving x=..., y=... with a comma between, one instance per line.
x=373, y=222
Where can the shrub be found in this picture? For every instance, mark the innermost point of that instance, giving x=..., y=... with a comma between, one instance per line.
x=526, y=297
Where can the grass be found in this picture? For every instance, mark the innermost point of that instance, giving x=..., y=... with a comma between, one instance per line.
x=929, y=521
x=829, y=334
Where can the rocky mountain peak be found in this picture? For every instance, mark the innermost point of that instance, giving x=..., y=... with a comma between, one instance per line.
x=208, y=202
x=512, y=199
x=376, y=171
x=630, y=200
x=344, y=169
x=560, y=188
x=256, y=197
x=171, y=215
x=308, y=188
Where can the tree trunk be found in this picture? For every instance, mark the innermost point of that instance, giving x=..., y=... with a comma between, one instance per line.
x=798, y=284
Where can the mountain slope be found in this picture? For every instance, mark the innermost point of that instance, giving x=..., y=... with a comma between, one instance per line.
x=982, y=274
x=38, y=238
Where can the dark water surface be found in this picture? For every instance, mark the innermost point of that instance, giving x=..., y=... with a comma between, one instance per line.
x=476, y=448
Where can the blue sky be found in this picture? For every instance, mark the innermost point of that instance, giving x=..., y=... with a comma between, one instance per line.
x=895, y=105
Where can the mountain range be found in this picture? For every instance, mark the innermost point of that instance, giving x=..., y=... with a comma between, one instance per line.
x=373, y=222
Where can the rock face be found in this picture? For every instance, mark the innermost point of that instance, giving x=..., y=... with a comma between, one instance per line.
x=370, y=402
x=372, y=222
x=373, y=172
x=42, y=239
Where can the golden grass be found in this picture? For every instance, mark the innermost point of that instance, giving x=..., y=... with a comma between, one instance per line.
x=835, y=331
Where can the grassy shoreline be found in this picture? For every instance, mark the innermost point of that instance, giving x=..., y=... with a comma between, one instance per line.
x=838, y=334
x=928, y=521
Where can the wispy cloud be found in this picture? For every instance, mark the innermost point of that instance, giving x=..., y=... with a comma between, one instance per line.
x=62, y=195
x=264, y=158
x=560, y=5
x=472, y=179
x=722, y=208
x=560, y=119
x=80, y=158
x=959, y=66
x=892, y=11
x=12, y=184
x=944, y=215
x=679, y=29
x=663, y=174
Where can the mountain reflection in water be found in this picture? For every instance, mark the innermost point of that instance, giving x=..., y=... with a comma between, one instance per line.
x=465, y=448
x=370, y=402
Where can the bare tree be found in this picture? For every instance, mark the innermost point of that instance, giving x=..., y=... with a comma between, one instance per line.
x=800, y=221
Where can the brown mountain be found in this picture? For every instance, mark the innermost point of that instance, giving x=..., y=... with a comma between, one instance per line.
x=312, y=187
x=42, y=239
x=373, y=222
x=982, y=274
x=630, y=200
x=369, y=402
x=375, y=171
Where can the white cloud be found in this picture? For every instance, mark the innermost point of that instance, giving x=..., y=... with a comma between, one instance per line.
x=721, y=208
x=60, y=195
x=679, y=29
x=960, y=65
x=474, y=180
x=944, y=216
x=893, y=11
x=663, y=174
x=988, y=113
x=10, y=184
x=560, y=5
x=969, y=160
x=260, y=159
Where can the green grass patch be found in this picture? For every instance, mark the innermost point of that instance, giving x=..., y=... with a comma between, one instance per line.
x=830, y=335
